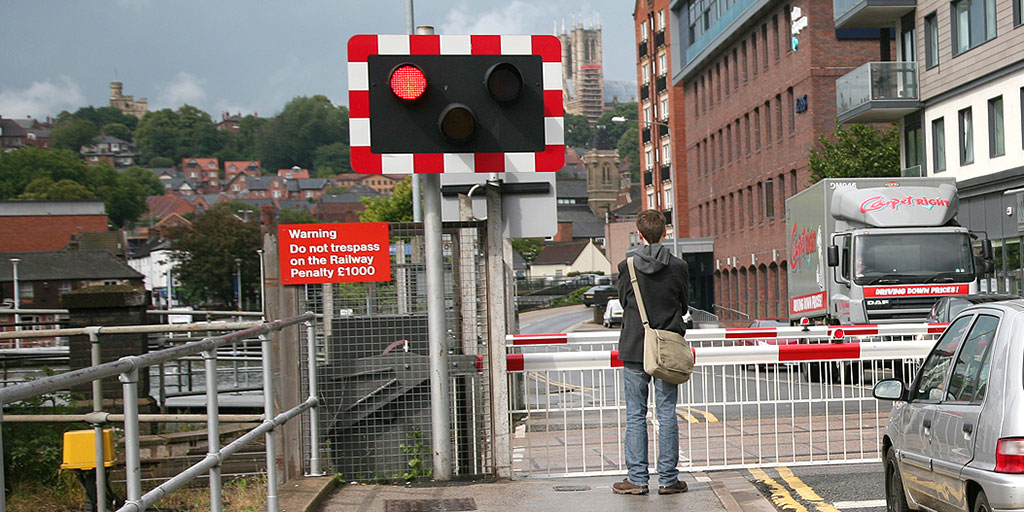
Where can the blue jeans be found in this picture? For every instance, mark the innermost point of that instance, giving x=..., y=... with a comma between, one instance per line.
x=665, y=395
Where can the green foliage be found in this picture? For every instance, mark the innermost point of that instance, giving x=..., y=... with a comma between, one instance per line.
x=74, y=134
x=305, y=124
x=45, y=189
x=205, y=255
x=176, y=134
x=101, y=116
x=117, y=130
x=396, y=208
x=576, y=297
x=629, y=150
x=615, y=130
x=528, y=247
x=32, y=451
x=417, y=451
x=858, y=151
x=578, y=132
x=296, y=217
x=331, y=159
x=160, y=162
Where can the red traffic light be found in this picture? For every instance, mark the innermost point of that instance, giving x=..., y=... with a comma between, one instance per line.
x=408, y=82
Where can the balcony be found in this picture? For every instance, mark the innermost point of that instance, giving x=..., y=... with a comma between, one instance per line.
x=648, y=178
x=911, y=172
x=659, y=38
x=870, y=13
x=645, y=134
x=660, y=83
x=666, y=172
x=642, y=48
x=878, y=92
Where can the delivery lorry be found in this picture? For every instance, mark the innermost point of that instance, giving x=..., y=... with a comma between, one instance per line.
x=876, y=250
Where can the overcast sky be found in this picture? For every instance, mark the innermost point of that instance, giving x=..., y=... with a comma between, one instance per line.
x=242, y=55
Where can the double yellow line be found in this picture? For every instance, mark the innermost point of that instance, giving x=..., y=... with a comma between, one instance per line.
x=783, y=499
x=689, y=418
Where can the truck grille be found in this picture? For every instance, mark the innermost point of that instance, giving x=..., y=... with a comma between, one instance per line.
x=899, y=308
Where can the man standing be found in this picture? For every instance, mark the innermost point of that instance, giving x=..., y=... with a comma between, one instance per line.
x=663, y=279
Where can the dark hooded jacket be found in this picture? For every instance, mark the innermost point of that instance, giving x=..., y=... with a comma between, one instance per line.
x=664, y=281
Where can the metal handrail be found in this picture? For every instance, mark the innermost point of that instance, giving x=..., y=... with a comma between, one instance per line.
x=127, y=370
x=132, y=329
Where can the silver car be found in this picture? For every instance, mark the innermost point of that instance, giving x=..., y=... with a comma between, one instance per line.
x=955, y=439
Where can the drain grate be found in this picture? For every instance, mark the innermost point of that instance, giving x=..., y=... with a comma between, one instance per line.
x=442, y=505
x=571, y=488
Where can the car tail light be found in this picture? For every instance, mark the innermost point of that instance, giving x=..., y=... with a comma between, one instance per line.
x=1010, y=455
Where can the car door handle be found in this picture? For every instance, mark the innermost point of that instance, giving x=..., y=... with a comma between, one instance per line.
x=968, y=428
x=927, y=423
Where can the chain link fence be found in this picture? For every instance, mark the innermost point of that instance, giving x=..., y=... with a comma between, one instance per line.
x=373, y=352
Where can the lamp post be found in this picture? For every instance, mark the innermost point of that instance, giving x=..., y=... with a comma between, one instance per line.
x=17, y=301
x=672, y=180
x=238, y=283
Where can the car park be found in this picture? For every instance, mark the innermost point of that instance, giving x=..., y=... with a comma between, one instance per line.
x=613, y=313
x=955, y=438
x=599, y=295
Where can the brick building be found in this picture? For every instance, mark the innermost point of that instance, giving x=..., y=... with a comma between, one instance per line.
x=48, y=225
x=753, y=108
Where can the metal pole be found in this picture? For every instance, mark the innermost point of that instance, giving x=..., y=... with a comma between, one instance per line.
x=238, y=284
x=417, y=209
x=213, y=428
x=314, y=417
x=17, y=301
x=97, y=406
x=170, y=292
x=3, y=483
x=132, y=463
x=268, y=415
x=263, y=286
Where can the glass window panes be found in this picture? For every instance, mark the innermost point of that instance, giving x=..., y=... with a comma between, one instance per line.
x=938, y=145
x=932, y=379
x=966, y=137
x=996, y=137
x=931, y=41
x=769, y=200
x=974, y=22
x=970, y=374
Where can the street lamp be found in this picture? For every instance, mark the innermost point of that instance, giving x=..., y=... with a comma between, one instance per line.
x=17, y=301
x=672, y=180
x=238, y=283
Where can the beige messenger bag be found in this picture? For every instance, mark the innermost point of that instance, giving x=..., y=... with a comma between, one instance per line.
x=667, y=354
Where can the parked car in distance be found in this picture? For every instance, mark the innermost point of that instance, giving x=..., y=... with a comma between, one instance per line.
x=598, y=295
x=613, y=313
x=955, y=438
x=770, y=322
x=946, y=308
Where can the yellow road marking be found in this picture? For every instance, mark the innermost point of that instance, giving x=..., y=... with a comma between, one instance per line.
x=780, y=495
x=688, y=417
x=711, y=418
x=805, y=491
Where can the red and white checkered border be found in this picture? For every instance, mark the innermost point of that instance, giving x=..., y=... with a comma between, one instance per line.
x=360, y=47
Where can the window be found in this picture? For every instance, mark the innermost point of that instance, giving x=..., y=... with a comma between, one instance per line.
x=750, y=205
x=791, y=108
x=764, y=43
x=786, y=27
x=743, y=53
x=757, y=128
x=908, y=39
x=778, y=117
x=64, y=287
x=746, y=130
x=769, y=199
x=913, y=153
x=650, y=159
x=646, y=75
x=753, y=52
x=996, y=135
x=736, y=68
x=767, y=122
x=1018, y=6
x=725, y=67
x=666, y=155
x=938, y=145
x=721, y=149
x=643, y=32
x=931, y=41
x=663, y=64
x=650, y=201
x=661, y=20
x=718, y=83
x=667, y=201
x=728, y=143
x=966, y=137
x=792, y=183
x=26, y=292
x=968, y=381
x=973, y=23
x=932, y=378
x=664, y=108
x=775, y=35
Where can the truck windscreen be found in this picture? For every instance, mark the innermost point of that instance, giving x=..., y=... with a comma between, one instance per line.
x=913, y=258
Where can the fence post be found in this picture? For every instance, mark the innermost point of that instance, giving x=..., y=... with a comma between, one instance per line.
x=97, y=406
x=268, y=415
x=496, y=311
x=314, y=417
x=213, y=427
x=132, y=463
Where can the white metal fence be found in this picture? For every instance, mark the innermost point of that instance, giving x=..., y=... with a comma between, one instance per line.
x=757, y=397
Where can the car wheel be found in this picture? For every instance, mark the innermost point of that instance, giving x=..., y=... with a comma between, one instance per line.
x=981, y=503
x=895, y=499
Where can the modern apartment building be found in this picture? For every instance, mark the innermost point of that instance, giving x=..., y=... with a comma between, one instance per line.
x=956, y=88
x=758, y=81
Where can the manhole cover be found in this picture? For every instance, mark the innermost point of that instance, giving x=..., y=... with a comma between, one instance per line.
x=571, y=488
x=443, y=505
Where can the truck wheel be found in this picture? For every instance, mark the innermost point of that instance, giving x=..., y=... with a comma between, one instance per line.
x=811, y=371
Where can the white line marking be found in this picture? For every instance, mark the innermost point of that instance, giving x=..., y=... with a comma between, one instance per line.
x=859, y=504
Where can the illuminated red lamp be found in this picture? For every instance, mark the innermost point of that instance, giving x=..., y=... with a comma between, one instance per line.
x=408, y=82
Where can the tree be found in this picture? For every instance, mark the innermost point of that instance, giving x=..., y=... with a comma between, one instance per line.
x=305, y=124
x=176, y=134
x=578, y=131
x=74, y=134
x=396, y=208
x=101, y=116
x=331, y=160
x=629, y=150
x=117, y=130
x=45, y=189
x=859, y=151
x=613, y=129
x=161, y=162
x=18, y=168
x=286, y=216
x=205, y=254
x=528, y=247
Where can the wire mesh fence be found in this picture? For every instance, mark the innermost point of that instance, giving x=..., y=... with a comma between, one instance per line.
x=373, y=352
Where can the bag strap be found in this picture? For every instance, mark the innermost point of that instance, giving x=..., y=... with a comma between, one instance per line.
x=636, y=291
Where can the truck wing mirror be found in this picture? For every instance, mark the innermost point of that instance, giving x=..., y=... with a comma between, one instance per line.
x=833, y=256
x=986, y=249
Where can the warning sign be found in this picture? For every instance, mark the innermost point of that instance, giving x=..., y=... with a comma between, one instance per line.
x=334, y=253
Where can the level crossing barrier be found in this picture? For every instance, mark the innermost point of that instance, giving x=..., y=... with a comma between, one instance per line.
x=758, y=397
x=127, y=370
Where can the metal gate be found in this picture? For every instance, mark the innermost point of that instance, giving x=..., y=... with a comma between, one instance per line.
x=375, y=369
x=746, y=405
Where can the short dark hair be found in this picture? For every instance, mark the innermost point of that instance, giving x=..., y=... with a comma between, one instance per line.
x=651, y=224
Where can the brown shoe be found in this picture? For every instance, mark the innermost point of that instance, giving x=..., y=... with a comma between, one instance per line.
x=627, y=487
x=676, y=488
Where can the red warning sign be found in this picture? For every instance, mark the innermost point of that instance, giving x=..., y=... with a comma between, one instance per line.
x=334, y=253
